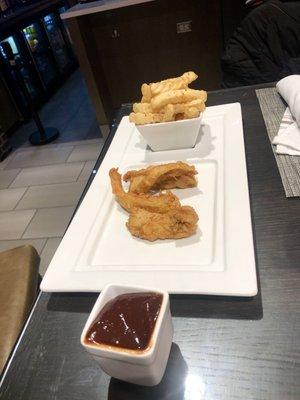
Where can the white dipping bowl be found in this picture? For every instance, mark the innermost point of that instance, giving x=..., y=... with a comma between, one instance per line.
x=142, y=367
x=172, y=135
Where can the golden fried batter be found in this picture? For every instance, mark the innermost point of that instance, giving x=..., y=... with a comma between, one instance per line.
x=159, y=216
x=179, y=182
x=165, y=176
x=130, y=201
x=175, y=224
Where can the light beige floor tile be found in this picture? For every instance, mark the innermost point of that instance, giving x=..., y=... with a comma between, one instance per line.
x=66, y=144
x=82, y=142
x=7, y=176
x=59, y=195
x=49, y=222
x=59, y=173
x=48, y=253
x=4, y=163
x=14, y=223
x=85, y=152
x=27, y=145
x=87, y=170
x=38, y=244
x=37, y=157
x=9, y=198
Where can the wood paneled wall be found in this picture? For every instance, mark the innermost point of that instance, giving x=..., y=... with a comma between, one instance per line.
x=120, y=49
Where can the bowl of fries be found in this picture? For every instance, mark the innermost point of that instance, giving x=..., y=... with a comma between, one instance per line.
x=169, y=114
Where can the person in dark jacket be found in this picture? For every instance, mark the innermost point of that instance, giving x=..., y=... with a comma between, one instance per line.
x=266, y=46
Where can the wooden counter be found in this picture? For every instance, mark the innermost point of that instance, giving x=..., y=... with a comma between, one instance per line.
x=99, y=6
x=123, y=43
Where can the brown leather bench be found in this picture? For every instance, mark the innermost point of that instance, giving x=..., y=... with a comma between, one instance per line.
x=18, y=289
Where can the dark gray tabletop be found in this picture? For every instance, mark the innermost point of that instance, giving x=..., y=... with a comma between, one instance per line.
x=224, y=348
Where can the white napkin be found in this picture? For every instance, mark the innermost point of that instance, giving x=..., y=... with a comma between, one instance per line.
x=288, y=137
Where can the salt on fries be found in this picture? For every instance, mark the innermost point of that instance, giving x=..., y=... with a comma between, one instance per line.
x=169, y=100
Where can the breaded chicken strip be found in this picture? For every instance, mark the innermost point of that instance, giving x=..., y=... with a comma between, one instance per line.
x=176, y=224
x=130, y=201
x=164, y=176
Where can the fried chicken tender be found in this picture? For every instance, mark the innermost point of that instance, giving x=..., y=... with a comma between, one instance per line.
x=177, y=182
x=130, y=201
x=175, y=224
x=161, y=216
x=164, y=176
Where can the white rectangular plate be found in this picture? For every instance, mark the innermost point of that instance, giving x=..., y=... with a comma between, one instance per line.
x=97, y=249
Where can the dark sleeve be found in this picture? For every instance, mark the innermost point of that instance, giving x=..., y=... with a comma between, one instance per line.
x=264, y=48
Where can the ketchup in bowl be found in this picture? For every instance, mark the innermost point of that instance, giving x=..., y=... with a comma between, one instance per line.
x=127, y=321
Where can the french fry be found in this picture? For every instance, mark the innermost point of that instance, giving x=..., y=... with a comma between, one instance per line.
x=150, y=118
x=146, y=92
x=189, y=77
x=191, y=112
x=180, y=108
x=142, y=108
x=172, y=84
x=177, y=96
x=145, y=118
x=179, y=116
x=169, y=114
x=169, y=100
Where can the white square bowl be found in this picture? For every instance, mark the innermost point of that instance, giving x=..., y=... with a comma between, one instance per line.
x=171, y=135
x=140, y=367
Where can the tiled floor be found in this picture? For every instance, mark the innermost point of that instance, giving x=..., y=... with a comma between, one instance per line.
x=40, y=186
x=70, y=111
x=36, y=203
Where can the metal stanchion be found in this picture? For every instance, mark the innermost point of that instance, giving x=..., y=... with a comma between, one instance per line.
x=42, y=135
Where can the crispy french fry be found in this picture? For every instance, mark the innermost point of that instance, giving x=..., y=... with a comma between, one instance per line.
x=191, y=112
x=203, y=95
x=179, y=116
x=143, y=118
x=179, y=108
x=150, y=118
x=146, y=92
x=176, y=96
x=169, y=114
x=142, y=108
x=189, y=77
x=172, y=84
x=169, y=100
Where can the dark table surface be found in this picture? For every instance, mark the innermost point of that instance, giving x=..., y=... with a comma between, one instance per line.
x=223, y=348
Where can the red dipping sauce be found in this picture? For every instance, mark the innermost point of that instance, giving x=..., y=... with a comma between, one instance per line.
x=127, y=321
